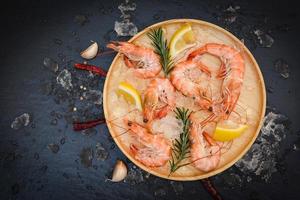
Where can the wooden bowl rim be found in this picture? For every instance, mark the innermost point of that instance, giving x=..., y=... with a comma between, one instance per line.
x=242, y=153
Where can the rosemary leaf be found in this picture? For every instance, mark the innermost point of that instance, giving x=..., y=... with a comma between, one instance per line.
x=181, y=146
x=160, y=46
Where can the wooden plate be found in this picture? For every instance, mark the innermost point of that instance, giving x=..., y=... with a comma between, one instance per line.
x=253, y=93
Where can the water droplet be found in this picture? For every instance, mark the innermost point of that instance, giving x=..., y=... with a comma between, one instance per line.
x=53, y=122
x=36, y=156
x=53, y=147
x=62, y=141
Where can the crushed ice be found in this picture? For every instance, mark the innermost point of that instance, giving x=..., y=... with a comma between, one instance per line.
x=159, y=192
x=64, y=78
x=93, y=95
x=134, y=176
x=125, y=27
x=265, y=40
x=177, y=187
x=262, y=157
x=20, y=121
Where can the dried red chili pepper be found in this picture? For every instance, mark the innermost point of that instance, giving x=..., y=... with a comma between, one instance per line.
x=210, y=188
x=78, y=126
x=92, y=68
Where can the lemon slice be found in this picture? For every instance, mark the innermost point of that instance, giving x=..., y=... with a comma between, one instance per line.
x=130, y=94
x=180, y=39
x=222, y=133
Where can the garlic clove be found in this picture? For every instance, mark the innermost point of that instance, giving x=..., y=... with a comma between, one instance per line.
x=120, y=171
x=90, y=52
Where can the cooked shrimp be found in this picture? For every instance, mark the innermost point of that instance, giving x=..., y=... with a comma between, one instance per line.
x=159, y=99
x=144, y=61
x=231, y=71
x=153, y=151
x=184, y=77
x=205, y=152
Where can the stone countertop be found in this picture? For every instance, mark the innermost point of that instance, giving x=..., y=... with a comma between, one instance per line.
x=43, y=158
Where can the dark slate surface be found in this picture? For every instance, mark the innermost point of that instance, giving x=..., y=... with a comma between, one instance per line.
x=32, y=169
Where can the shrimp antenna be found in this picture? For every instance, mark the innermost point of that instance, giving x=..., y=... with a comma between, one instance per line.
x=244, y=111
x=118, y=126
x=121, y=134
x=122, y=115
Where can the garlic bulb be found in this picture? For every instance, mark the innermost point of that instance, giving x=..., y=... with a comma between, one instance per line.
x=90, y=52
x=120, y=171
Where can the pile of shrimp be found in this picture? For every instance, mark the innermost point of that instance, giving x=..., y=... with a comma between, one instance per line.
x=154, y=149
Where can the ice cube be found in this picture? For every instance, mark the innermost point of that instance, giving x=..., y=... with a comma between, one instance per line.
x=264, y=39
x=177, y=187
x=125, y=28
x=86, y=157
x=101, y=153
x=261, y=159
x=20, y=121
x=282, y=67
x=50, y=64
x=64, y=78
x=124, y=7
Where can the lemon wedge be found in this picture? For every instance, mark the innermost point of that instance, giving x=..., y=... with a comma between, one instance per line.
x=223, y=133
x=180, y=39
x=130, y=94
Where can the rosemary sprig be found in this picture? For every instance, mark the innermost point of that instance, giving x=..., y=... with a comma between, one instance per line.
x=161, y=48
x=181, y=146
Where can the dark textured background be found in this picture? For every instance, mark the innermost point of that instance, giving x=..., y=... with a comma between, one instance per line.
x=29, y=29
